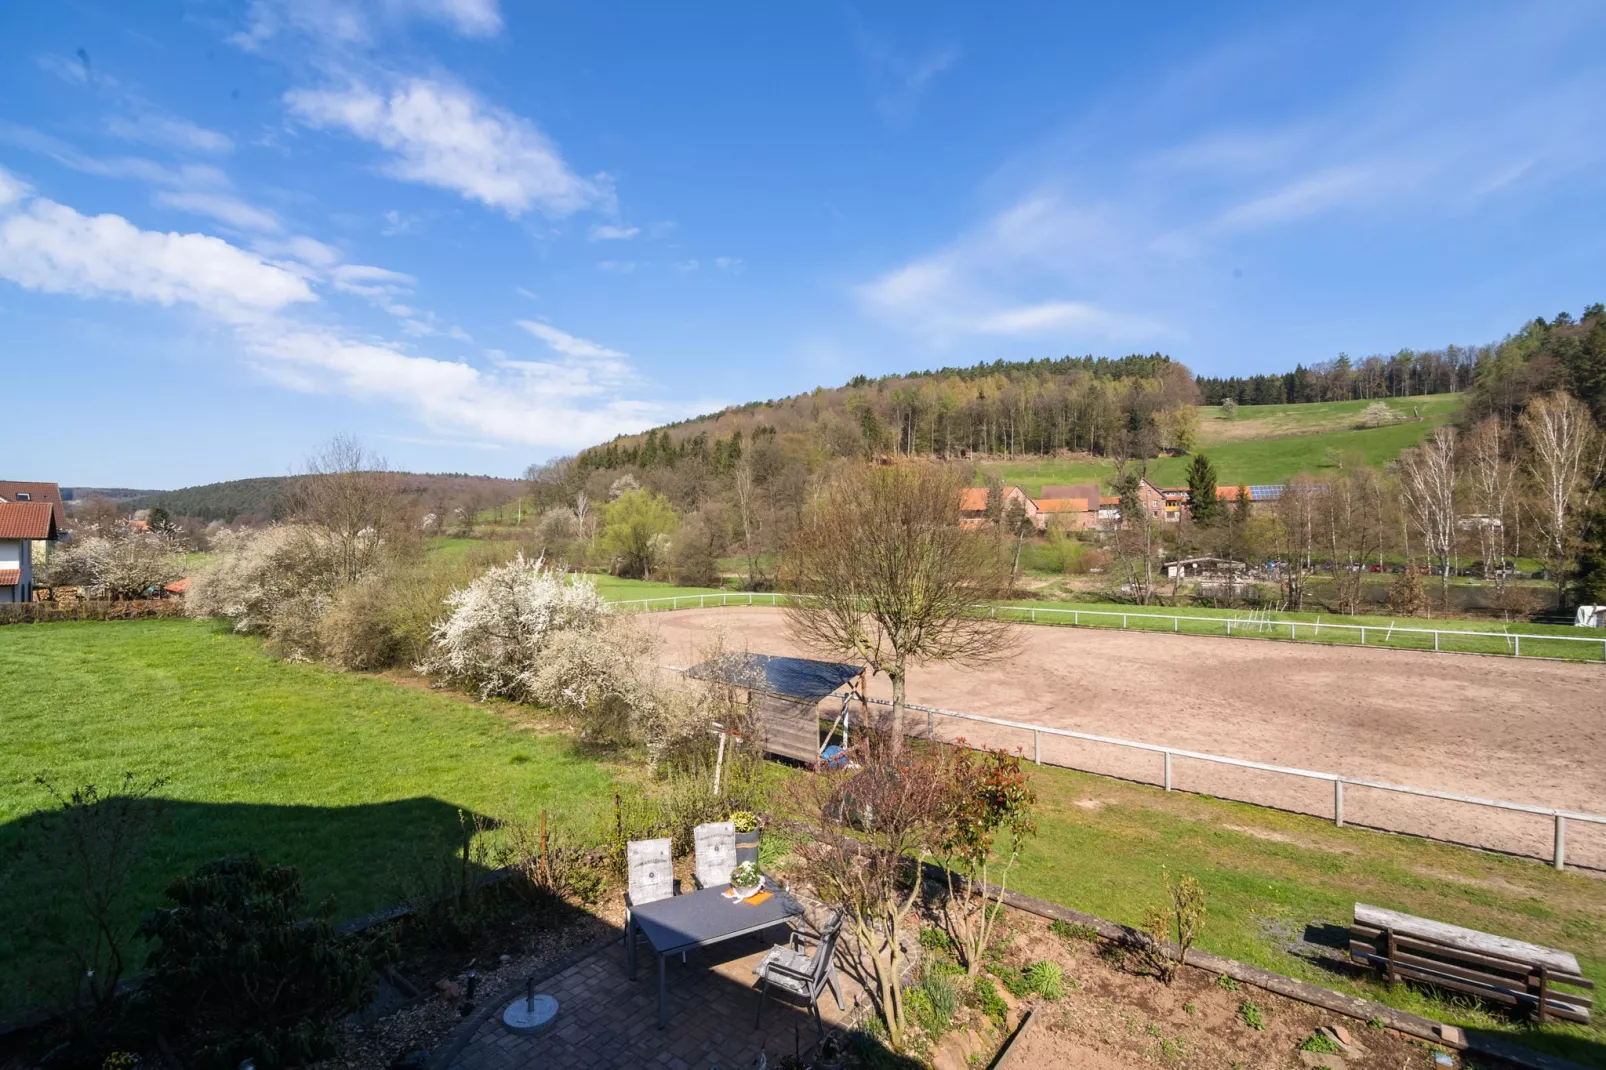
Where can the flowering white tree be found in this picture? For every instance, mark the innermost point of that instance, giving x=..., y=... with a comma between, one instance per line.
x=275, y=581
x=502, y=623
x=131, y=566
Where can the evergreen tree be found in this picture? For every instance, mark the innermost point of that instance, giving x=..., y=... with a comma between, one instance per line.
x=1240, y=513
x=1202, y=490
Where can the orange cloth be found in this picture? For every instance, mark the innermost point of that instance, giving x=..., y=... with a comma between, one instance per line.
x=756, y=898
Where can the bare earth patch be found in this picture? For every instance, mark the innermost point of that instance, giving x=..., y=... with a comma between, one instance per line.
x=1499, y=728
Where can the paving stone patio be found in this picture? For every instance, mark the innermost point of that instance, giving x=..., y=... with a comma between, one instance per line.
x=607, y=1020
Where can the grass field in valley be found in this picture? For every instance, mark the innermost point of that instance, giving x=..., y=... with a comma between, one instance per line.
x=356, y=780
x=1263, y=444
x=1280, y=887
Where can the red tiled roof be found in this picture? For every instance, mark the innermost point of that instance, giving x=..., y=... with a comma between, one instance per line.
x=1061, y=505
x=10, y=577
x=27, y=520
x=36, y=492
x=973, y=499
x=1110, y=501
x=178, y=586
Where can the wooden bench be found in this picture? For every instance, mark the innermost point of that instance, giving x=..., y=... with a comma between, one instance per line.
x=1494, y=968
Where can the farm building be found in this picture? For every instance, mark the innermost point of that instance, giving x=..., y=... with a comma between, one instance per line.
x=789, y=699
x=22, y=525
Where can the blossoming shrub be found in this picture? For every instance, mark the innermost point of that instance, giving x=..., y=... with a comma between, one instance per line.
x=275, y=582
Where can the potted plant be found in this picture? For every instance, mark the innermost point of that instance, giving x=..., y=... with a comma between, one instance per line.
x=746, y=880
x=747, y=835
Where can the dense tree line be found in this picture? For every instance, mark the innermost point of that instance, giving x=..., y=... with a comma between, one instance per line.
x=1407, y=373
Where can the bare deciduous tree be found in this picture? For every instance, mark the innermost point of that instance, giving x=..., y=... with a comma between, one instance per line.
x=1491, y=479
x=1296, y=532
x=1350, y=512
x=350, y=497
x=884, y=573
x=1428, y=491
x=1564, y=461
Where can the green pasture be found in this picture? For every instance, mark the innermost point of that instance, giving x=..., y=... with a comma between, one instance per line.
x=355, y=780
x=1281, y=444
x=1281, y=887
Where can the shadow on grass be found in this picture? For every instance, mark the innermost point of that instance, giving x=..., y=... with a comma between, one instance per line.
x=366, y=857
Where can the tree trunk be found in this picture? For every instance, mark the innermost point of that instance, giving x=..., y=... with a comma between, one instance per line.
x=897, y=676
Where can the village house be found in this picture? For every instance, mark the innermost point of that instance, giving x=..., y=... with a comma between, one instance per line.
x=22, y=526
x=1080, y=506
x=973, y=506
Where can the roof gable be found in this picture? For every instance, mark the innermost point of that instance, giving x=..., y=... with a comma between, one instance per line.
x=36, y=492
x=27, y=520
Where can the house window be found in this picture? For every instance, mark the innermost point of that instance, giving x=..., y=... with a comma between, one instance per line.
x=24, y=496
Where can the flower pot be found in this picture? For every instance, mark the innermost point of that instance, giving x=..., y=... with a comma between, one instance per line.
x=747, y=847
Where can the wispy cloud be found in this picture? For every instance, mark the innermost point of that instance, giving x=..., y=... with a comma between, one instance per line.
x=444, y=135
x=1140, y=199
x=899, y=78
x=222, y=207
x=613, y=232
x=344, y=23
x=169, y=131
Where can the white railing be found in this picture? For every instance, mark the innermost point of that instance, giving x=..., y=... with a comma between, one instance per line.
x=1560, y=817
x=1393, y=636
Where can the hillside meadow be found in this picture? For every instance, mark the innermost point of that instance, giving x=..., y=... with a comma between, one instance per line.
x=1262, y=444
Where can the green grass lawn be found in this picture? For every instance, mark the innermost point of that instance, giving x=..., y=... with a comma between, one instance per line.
x=354, y=779
x=1277, y=443
x=1273, y=881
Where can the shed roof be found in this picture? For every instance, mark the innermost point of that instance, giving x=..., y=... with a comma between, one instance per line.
x=10, y=577
x=803, y=678
x=27, y=520
x=973, y=499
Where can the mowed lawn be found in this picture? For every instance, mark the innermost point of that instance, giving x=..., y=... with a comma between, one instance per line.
x=355, y=780
x=1280, y=889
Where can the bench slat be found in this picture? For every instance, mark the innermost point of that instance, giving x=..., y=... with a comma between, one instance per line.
x=1516, y=970
x=1466, y=939
x=1438, y=979
x=1365, y=950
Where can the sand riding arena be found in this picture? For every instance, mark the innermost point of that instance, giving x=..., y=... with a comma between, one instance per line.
x=1497, y=728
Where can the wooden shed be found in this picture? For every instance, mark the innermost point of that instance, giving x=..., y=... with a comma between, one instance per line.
x=797, y=705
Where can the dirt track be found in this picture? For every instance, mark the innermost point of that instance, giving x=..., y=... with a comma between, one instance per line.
x=1498, y=728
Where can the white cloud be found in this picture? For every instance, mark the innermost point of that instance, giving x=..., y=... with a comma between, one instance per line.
x=50, y=247
x=567, y=402
x=686, y=267
x=617, y=267
x=344, y=23
x=223, y=208
x=154, y=128
x=613, y=232
x=569, y=345
x=308, y=251
x=444, y=135
x=398, y=222
x=729, y=263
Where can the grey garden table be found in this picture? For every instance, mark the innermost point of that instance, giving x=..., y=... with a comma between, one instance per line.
x=677, y=924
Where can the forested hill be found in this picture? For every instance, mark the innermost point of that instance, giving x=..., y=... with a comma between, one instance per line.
x=262, y=499
x=1009, y=407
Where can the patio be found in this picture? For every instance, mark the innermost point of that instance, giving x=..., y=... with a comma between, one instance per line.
x=607, y=1020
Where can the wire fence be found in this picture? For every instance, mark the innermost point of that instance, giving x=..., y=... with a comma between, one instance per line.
x=1257, y=626
x=1165, y=776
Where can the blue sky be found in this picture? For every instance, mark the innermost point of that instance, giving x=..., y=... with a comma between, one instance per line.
x=477, y=235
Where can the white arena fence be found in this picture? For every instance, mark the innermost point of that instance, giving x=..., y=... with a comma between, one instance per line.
x=1169, y=755
x=1392, y=636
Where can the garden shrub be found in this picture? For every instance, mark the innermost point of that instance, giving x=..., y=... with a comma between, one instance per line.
x=358, y=629
x=240, y=971
x=987, y=1000
x=1046, y=979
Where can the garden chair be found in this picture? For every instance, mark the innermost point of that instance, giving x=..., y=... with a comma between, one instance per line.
x=716, y=853
x=651, y=867
x=788, y=967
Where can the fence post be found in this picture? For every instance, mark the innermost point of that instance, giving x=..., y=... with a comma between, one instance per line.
x=1229, y=625
x=1519, y=654
x=1338, y=802
x=1037, y=746
x=1076, y=618
x=1363, y=635
x=1435, y=639
x=1293, y=630
x=1167, y=770
x=1561, y=842
x=1123, y=620
x=1176, y=624
x=1034, y=615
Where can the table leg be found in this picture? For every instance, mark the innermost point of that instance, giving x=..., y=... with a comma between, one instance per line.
x=661, y=1021
x=630, y=946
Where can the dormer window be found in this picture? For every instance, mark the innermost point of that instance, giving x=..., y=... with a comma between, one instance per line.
x=24, y=496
